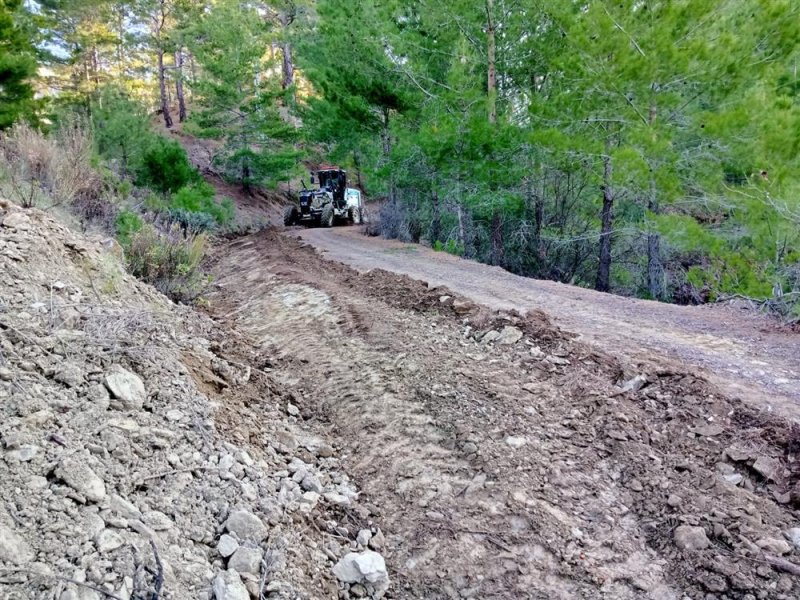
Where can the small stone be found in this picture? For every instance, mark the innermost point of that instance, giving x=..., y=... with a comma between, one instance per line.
x=378, y=541
x=635, y=384
x=246, y=561
x=336, y=498
x=80, y=477
x=107, y=541
x=461, y=307
x=674, y=501
x=709, y=430
x=768, y=468
x=228, y=585
x=516, y=441
x=773, y=545
x=126, y=388
x=13, y=548
x=157, y=520
x=292, y=410
x=324, y=451
x=311, y=483
x=98, y=394
x=362, y=567
x=793, y=535
x=124, y=508
x=636, y=485
x=509, y=335
x=246, y=526
x=227, y=545
x=70, y=375
x=24, y=453
x=363, y=537
x=733, y=478
x=490, y=336
x=691, y=538
x=737, y=454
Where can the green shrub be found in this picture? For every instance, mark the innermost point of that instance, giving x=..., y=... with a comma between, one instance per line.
x=194, y=222
x=127, y=223
x=167, y=260
x=165, y=167
x=451, y=247
x=199, y=198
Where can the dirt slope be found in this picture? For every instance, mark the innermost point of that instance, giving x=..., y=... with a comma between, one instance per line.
x=145, y=452
x=504, y=458
x=734, y=348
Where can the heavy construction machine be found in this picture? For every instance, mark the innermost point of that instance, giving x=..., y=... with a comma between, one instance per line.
x=332, y=202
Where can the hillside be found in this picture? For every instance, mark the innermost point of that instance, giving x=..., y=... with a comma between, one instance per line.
x=147, y=451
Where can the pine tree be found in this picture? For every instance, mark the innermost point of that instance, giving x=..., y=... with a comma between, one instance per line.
x=17, y=66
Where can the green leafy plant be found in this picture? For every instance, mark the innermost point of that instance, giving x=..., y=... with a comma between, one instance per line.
x=165, y=167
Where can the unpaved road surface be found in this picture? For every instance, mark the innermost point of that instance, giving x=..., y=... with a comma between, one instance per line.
x=516, y=468
x=739, y=351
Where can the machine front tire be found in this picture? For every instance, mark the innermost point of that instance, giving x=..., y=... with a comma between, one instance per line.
x=290, y=216
x=355, y=215
x=326, y=218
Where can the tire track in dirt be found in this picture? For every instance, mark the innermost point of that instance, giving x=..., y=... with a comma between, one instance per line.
x=513, y=471
x=740, y=351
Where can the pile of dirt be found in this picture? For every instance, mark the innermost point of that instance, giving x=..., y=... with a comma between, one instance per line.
x=507, y=459
x=146, y=452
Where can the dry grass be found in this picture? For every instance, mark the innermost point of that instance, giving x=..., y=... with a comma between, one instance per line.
x=51, y=170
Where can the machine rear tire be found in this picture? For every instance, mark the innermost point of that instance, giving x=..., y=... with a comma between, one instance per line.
x=290, y=216
x=326, y=218
x=355, y=215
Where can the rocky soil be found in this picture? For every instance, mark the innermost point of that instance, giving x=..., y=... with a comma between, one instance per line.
x=506, y=459
x=145, y=451
x=315, y=432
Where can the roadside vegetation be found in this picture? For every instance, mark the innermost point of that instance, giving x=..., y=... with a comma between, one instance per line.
x=646, y=149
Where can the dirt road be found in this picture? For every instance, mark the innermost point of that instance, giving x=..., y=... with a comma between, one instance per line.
x=735, y=349
x=514, y=468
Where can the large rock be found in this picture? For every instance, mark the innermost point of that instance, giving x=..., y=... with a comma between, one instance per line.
x=80, y=477
x=229, y=586
x=246, y=561
x=126, y=388
x=691, y=538
x=13, y=549
x=246, y=526
x=362, y=567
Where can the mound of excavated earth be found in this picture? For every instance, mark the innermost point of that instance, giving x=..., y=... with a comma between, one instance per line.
x=506, y=459
x=139, y=457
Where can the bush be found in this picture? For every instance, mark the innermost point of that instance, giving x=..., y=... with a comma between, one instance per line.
x=169, y=261
x=54, y=169
x=199, y=198
x=127, y=223
x=192, y=222
x=165, y=167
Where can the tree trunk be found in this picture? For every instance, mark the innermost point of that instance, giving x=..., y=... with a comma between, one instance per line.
x=357, y=164
x=179, y=85
x=436, y=218
x=288, y=66
x=386, y=138
x=162, y=88
x=462, y=230
x=498, y=243
x=655, y=267
x=606, y=224
x=491, y=53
